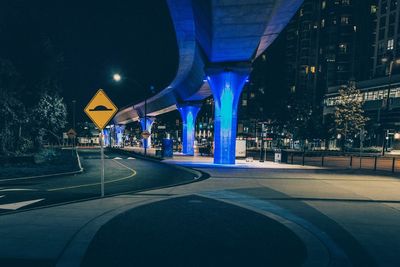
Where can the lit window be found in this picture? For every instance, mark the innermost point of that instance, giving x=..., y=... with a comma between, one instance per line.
x=343, y=48
x=323, y=6
x=390, y=44
x=345, y=2
x=244, y=102
x=344, y=20
x=312, y=69
x=322, y=23
x=373, y=9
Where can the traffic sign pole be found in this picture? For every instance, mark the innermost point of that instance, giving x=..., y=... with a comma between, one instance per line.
x=102, y=163
x=101, y=110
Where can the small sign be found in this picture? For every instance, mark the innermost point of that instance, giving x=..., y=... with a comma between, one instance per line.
x=101, y=109
x=145, y=134
x=71, y=133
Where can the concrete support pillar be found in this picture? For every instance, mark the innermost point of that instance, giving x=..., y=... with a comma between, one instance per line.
x=226, y=86
x=188, y=113
x=106, y=133
x=146, y=125
x=119, y=132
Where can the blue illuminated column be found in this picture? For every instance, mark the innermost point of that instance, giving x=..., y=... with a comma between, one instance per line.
x=147, y=126
x=189, y=113
x=119, y=132
x=226, y=86
x=106, y=133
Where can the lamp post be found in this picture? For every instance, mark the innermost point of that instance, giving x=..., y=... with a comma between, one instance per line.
x=73, y=120
x=386, y=103
x=118, y=78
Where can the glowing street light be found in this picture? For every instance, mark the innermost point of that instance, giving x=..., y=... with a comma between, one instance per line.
x=117, y=77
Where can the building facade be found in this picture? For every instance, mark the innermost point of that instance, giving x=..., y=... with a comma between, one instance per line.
x=387, y=38
x=328, y=43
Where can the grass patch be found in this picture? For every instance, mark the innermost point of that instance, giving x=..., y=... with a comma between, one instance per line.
x=47, y=161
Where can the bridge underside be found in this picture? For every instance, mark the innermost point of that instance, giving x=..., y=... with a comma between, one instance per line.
x=216, y=36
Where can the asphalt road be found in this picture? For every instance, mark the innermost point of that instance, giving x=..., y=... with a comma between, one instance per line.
x=122, y=174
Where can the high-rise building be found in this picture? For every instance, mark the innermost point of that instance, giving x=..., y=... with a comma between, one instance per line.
x=387, y=38
x=328, y=43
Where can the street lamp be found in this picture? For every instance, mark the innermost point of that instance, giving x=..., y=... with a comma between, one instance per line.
x=73, y=120
x=386, y=102
x=117, y=78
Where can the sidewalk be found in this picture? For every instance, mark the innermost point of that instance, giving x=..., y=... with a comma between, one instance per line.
x=207, y=162
x=340, y=218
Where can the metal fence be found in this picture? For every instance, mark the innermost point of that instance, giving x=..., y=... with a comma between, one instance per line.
x=365, y=162
x=375, y=163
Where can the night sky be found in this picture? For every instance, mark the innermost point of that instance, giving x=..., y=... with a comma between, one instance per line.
x=82, y=43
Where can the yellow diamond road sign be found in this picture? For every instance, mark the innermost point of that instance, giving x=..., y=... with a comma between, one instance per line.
x=101, y=109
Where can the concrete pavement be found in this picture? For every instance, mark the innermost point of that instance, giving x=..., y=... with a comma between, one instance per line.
x=342, y=219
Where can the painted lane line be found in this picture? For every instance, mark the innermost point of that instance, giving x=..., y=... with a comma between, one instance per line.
x=130, y=158
x=117, y=158
x=95, y=184
x=17, y=189
x=2, y=196
x=18, y=205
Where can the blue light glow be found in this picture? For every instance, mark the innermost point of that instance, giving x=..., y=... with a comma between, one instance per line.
x=189, y=114
x=149, y=122
x=106, y=134
x=119, y=131
x=226, y=87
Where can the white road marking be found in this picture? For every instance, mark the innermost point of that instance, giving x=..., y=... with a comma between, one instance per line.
x=2, y=196
x=18, y=205
x=130, y=158
x=17, y=189
x=117, y=158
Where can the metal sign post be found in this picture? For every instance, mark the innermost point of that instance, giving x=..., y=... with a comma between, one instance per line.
x=101, y=110
x=102, y=162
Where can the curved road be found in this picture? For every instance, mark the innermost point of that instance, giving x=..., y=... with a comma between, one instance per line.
x=122, y=174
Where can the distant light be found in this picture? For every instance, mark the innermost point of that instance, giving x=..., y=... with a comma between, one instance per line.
x=117, y=77
x=397, y=136
x=384, y=60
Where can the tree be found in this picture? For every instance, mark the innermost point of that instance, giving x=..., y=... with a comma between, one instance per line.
x=50, y=118
x=12, y=110
x=349, y=114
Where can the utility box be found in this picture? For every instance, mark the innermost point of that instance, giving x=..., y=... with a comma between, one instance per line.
x=277, y=155
x=167, y=148
x=280, y=156
x=240, y=149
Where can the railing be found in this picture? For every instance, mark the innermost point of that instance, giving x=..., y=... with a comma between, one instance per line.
x=375, y=163
x=364, y=162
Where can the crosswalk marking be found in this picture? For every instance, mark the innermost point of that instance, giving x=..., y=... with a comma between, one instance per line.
x=130, y=158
